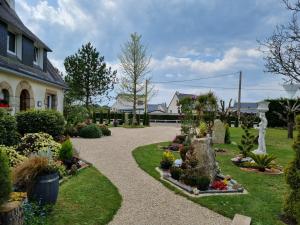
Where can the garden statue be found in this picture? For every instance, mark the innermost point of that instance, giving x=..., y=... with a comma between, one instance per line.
x=263, y=107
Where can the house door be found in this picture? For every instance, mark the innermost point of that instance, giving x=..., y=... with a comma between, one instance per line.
x=24, y=100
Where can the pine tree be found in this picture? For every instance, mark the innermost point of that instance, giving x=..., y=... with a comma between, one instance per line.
x=292, y=175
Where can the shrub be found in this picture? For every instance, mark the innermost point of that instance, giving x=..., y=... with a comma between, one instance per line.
x=167, y=160
x=26, y=173
x=75, y=114
x=247, y=142
x=90, y=131
x=66, y=150
x=71, y=130
x=104, y=129
x=202, y=183
x=38, y=142
x=5, y=178
x=202, y=129
x=190, y=180
x=47, y=121
x=262, y=161
x=14, y=158
x=179, y=139
x=176, y=172
x=8, y=129
x=227, y=139
x=183, y=150
x=292, y=175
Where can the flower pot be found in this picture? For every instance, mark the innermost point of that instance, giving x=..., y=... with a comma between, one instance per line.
x=44, y=189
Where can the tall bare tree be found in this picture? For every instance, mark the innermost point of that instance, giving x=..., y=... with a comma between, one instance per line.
x=224, y=111
x=135, y=62
x=282, y=49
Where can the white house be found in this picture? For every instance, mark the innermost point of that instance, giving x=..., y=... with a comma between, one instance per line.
x=174, y=107
x=27, y=78
x=124, y=103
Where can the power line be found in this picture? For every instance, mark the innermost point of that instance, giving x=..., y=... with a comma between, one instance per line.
x=201, y=78
x=232, y=88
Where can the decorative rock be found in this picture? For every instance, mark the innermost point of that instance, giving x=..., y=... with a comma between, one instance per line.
x=218, y=132
x=196, y=191
x=206, y=157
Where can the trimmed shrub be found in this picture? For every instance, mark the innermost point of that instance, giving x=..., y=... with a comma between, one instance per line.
x=75, y=114
x=292, y=175
x=176, y=172
x=104, y=129
x=66, y=151
x=5, y=178
x=35, y=121
x=227, y=139
x=90, y=131
x=8, y=129
x=14, y=158
x=37, y=143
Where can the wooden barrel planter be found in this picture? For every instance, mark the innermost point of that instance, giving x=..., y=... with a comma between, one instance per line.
x=45, y=189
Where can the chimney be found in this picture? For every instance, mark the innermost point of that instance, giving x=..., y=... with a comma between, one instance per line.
x=11, y=4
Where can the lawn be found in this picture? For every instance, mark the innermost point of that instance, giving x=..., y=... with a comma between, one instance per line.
x=87, y=198
x=266, y=192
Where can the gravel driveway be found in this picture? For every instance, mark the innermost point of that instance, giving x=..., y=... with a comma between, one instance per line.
x=145, y=200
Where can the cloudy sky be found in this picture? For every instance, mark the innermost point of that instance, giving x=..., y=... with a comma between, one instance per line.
x=188, y=39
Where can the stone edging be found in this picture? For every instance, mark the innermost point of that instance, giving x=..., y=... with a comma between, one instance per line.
x=199, y=195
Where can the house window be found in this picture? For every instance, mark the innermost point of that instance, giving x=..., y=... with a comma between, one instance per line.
x=51, y=101
x=36, y=56
x=24, y=100
x=11, y=43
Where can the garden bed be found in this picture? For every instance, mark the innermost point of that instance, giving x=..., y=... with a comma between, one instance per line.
x=194, y=192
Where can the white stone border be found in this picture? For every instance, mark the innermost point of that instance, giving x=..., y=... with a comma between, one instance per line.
x=199, y=195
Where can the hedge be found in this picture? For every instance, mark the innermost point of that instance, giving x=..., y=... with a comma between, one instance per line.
x=35, y=121
x=8, y=129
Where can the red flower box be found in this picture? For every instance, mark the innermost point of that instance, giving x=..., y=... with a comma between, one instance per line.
x=2, y=105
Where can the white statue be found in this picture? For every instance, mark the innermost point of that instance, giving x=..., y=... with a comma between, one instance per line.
x=262, y=132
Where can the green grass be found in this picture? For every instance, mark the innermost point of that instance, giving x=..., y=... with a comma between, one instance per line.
x=133, y=126
x=266, y=192
x=87, y=198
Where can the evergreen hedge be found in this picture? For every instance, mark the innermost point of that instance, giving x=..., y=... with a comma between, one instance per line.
x=5, y=178
x=8, y=129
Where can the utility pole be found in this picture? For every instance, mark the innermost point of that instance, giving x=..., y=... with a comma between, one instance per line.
x=146, y=96
x=239, y=97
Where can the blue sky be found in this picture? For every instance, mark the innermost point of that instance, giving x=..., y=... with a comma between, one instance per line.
x=188, y=39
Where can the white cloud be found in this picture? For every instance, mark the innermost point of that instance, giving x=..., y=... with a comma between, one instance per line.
x=232, y=58
x=67, y=14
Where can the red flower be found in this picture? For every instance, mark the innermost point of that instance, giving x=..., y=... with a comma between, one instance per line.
x=219, y=185
x=2, y=105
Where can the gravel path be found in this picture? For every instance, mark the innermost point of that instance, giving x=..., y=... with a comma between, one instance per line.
x=145, y=200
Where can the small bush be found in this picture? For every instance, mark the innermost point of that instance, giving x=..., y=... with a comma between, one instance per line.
x=66, y=151
x=71, y=130
x=75, y=114
x=202, y=129
x=14, y=158
x=176, y=172
x=227, y=139
x=8, y=129
x=38, y=142
x=202, y=183
x=5, y=178
x=90, y=131
x=167, y=160
x=35, y=121
x=247, y=142
x=104, y=129
x=190, y=180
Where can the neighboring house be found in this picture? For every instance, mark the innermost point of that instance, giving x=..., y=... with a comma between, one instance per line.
x=173, y=107
x=27, y=77
x=124, y=103
x=246, y=107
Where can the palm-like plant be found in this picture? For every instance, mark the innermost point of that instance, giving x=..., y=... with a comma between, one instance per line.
x=262, y=161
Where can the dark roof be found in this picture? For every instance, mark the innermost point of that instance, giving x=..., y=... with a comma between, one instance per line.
x=181, y=95
x=155, y=107
x=246, y=107
x=51, y=76
x=9, y=16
